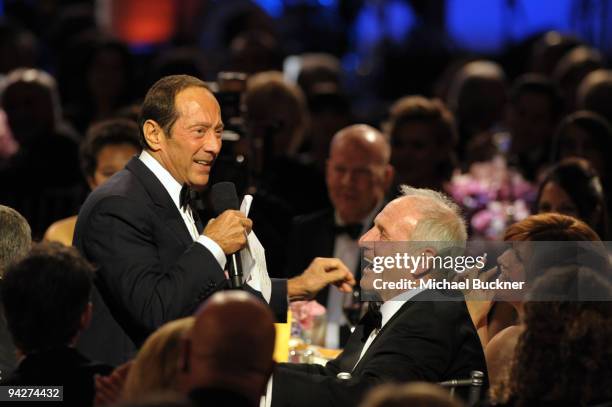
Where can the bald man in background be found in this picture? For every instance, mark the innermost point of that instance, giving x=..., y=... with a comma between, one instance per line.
x=358, y=175
x=226, y=357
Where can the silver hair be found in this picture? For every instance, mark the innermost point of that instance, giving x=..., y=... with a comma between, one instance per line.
x=440, y=222
x=15, y=237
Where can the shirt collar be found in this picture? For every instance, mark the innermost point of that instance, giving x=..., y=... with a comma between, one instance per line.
x=390, y=307
x=163, y=175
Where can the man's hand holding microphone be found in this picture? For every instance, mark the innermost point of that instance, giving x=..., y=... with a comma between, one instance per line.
x=230, y=229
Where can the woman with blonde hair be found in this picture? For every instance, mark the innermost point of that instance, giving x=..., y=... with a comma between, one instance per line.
x=154, y=370
x=155, y=367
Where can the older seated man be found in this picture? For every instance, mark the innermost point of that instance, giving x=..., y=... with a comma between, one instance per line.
x=415, y=335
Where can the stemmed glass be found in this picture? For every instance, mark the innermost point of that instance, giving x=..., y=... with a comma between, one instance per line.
x=352, y=308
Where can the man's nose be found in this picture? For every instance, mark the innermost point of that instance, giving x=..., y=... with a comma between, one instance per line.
x=212, y=144
x=346, y=178
x=367, y=237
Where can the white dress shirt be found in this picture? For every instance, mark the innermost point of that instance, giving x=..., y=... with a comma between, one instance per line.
x=174, y=190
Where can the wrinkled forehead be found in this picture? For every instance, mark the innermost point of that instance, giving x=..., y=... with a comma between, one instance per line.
x=402, y=213
x=356, y=153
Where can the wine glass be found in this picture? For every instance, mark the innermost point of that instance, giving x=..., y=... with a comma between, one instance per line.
x=352, y=308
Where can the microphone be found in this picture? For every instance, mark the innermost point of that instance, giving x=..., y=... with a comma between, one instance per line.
x=224, y=197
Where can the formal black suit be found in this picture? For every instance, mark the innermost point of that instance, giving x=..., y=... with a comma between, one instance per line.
x=311, y=236
x=424, y=341
x=149, y=269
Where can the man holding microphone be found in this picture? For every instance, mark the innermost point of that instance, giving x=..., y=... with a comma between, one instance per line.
x=155, y=261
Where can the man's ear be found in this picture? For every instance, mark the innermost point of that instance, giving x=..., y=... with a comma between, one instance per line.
x=422, y=270
x=153, y=134
x=86, y=316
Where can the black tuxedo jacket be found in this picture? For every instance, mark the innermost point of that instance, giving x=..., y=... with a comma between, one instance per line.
x=424, y=341
x=311, y=236
x=149, y=269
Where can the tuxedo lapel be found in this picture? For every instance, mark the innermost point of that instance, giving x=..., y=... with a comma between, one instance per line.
x=163, y=204
x=388, y=326
x=350, y=355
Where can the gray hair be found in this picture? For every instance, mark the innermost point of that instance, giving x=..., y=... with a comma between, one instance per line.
x=440, y=222
x=15, y=237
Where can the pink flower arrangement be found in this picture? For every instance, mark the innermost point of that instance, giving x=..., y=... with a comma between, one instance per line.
x=493, y=197
x=305, y=313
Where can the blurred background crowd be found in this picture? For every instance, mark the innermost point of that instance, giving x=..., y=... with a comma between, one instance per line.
x=504, y=105
x=502, y=98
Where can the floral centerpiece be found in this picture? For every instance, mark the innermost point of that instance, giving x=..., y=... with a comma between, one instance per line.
x=493, y=197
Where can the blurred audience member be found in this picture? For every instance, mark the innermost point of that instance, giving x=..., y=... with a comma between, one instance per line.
x=410, y=395
x=573, y=188
x=595, y=93
x=46, y=304
x=549, y=49
x=477, y=97
x=330, y=111
x=226, y=20
x=15, y=243
x=423, y=137
x=275, y=115
x=358, y=177
x=18, y=48
x=15, y=237
x=41, y=179
x=285, y=186
x=156, y=366
x=178, y=61
x=316, y=69
x=254, y=51
x=319, y=77
x=102, y=81
x=226, y=357
x=572, y=69
x=587, y=135
x=491, y=317
x=109, y=389
x=532, y=116
x=563, y=354
x=8, y=145
x=108, y=147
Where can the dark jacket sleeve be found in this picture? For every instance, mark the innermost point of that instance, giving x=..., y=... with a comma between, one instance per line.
x=123, y=239
x=279, y=301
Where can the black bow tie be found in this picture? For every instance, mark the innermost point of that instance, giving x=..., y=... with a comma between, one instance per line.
x=186, y=199
x=352, y=229
x=372, y=319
